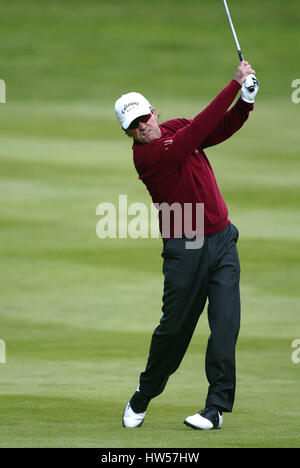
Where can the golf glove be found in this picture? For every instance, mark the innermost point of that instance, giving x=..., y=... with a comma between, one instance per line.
x=250, y=83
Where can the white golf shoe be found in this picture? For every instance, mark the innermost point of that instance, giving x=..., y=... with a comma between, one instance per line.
x=135, y=418
x=132, y=419
x=209, y=418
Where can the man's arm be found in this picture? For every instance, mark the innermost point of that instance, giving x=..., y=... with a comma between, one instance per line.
x=233, y=120
x=165, y=155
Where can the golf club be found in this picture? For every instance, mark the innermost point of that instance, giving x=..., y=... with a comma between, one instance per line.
x=251, y=88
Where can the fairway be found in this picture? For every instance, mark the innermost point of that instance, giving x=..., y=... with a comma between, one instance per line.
x=77, y=312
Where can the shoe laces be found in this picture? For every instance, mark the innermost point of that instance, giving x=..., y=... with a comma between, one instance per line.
x=139, y=402
x=210, y=413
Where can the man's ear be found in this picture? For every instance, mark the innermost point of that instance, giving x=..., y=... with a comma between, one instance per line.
x=126, y=132
x=154, y=112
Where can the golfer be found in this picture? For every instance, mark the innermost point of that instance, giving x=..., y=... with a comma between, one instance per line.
x=171, y=162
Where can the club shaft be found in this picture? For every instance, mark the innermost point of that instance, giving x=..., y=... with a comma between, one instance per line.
x=233, y=31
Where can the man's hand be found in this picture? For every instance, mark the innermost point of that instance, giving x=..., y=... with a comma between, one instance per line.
x=242, y=71
x=250, y=89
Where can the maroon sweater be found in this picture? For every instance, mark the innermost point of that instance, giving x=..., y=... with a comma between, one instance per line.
x=174, y=167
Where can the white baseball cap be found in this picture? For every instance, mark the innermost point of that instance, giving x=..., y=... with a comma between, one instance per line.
x=130, y=106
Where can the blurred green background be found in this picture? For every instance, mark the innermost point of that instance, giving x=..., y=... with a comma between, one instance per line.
x=77, y=312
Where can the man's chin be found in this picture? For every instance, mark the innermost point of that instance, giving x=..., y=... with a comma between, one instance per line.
x=149, y=137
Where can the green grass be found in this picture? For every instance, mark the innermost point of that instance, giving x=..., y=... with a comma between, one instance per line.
x=77, y=312
x=64, y=50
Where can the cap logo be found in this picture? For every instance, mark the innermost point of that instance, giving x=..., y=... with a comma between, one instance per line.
x=125, y=108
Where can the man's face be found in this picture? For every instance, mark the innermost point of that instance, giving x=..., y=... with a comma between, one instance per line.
x=145, y=128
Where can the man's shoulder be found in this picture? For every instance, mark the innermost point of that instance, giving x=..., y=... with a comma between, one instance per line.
x=168, y=128
x=173, y=125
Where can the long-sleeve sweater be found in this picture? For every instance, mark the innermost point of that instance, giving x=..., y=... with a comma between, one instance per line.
x=174, y=167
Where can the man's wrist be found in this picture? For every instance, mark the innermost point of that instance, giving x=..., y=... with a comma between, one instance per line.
x=248, y=101
x=237, y=81
x=245, y=105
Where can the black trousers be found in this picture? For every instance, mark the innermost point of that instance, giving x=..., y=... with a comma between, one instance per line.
x=191, y=277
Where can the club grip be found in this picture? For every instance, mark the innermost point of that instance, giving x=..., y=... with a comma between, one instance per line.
x=241, y=55
x=251, y=88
